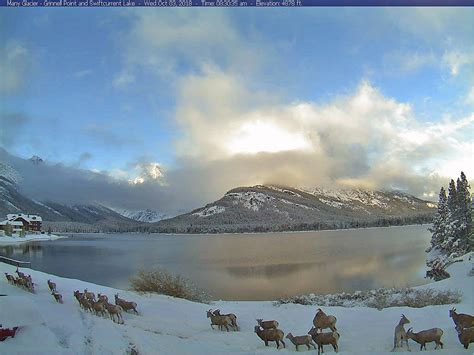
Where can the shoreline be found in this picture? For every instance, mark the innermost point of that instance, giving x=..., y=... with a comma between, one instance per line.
x=14, y=240
x=248, y=233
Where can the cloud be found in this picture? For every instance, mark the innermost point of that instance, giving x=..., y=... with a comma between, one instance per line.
x=123, y=80
x=83, y=158
x=457, y=59
x=15, y=61
x=470, y=96
x=12, y=124
x=169, y=43
x=361, y=139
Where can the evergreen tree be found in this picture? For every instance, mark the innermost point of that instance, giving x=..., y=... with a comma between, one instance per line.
x=464, y=210
x=452, y=224
x=438, y=229
x=452, y=198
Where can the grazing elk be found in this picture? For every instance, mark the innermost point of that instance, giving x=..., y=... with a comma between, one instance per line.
x=321, y=339
x=426, y=336
x=267, y=335
x=301, y=340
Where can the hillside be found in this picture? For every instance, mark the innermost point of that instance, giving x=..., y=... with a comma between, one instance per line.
x=267, y=208
x=147, y=216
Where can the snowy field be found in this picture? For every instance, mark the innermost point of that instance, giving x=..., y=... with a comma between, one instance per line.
x=173, y=326
x=15, y=239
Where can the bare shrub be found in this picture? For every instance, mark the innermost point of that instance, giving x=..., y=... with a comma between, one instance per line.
x=159, y=280
x=380, y=298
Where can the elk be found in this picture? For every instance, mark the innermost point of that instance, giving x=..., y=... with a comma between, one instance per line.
x=426, y=336
x=52, y=286
x=267, y=324
x=267, y=335
x=465, y=336
x=400, y=333
x=322, y=321
x=125, y=304
x=330, y=338
x=301, y=340
x=57, y=296
x=461, y=320
x=232, y=316
x=219, y=320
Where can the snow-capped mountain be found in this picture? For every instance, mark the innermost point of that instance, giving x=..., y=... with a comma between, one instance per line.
x=36, y=160
x=148, y=216
x=9, y=175
x=13, y=201
x=283, y=208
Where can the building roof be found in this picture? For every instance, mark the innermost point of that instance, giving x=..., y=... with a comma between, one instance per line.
x=27, y=217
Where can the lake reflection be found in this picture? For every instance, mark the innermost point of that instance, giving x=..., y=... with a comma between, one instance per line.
x=243, y=266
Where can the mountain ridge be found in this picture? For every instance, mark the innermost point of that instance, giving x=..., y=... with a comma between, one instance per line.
x=274, y=208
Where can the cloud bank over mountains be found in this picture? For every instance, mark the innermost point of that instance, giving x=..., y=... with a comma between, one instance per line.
x=241, y=107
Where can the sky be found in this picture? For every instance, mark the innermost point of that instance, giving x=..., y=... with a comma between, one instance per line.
x=185, y=104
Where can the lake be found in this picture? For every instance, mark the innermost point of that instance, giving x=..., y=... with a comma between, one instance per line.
x=243, y=266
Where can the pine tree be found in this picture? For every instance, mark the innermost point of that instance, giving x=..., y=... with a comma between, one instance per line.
x=464, y=210
x=452, y=224
x=438, y=229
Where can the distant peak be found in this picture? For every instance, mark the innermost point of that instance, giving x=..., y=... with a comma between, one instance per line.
x=36, y=159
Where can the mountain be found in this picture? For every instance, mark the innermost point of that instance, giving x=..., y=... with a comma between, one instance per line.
x=275, y=208
x=147, y=216
x=36, y=160
x=12, y=200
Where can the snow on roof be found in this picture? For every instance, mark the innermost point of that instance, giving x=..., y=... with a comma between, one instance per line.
x=13, y=223
x=27, y=217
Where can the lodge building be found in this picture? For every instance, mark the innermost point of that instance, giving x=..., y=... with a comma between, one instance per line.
x=22, y=222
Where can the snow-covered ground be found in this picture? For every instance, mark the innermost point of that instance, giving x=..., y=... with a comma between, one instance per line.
x=16, y=239
x=174, y=326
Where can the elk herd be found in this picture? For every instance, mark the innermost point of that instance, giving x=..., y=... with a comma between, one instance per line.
x=23, y=280
x=87, y=300
x=268, y=331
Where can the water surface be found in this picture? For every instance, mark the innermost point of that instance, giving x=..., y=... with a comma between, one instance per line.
x=243, y=266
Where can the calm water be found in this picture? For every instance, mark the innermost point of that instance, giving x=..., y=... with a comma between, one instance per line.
x=243, y=266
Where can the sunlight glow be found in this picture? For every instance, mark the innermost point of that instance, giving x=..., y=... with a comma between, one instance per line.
x=263, y=136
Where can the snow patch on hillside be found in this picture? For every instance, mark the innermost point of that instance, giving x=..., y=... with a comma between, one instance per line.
x=49, y=208
x=7, y=172
x=250, y=199
x=209, y=211
x=147, y=216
